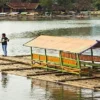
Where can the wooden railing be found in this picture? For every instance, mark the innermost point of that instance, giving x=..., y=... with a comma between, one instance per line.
x=90, y=58
x=81, y=57
x=52, y=59
x=68, y=55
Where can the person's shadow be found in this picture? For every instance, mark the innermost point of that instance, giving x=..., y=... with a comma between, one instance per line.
x=4, y=79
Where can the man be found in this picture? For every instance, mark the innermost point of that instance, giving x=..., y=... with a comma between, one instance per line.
x=4, y=41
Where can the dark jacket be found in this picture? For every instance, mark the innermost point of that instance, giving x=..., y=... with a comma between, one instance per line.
x=4, y=40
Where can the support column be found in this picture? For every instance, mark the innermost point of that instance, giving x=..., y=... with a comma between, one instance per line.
x=31, y=57
x=92, y=55
x=78, y=63
x=61, y=62
x=46, y=58
x=91, y=70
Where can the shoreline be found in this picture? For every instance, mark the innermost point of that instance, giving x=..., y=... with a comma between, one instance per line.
x=40, y=17
x=33, y=18
x=21, y=66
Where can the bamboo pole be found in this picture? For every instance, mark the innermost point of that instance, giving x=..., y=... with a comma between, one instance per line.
x=31, y=57
x=92, y=55
x=61, y=62
x=78, y=63
x=46, y=58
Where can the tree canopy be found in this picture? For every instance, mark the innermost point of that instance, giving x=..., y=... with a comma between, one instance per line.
x=67, y=4
x=47, y=4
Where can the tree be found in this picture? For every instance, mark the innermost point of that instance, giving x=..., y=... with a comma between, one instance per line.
x=67, y=4
x=47, y=4
x=96, y=4
x=3, y=3
x=83, y=5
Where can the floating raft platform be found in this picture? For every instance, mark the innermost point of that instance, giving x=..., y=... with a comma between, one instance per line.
x=59, y=60
x=54, y=76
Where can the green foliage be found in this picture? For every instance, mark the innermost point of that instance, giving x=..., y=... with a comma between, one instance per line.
x=2, y=2
x=83, y=5
x=67, y=4
x=47, y=4
x=96, y=4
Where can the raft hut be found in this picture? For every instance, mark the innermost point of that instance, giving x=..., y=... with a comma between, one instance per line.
x=64, y=54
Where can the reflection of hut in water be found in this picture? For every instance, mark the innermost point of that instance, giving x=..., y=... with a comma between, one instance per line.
x=58, y=92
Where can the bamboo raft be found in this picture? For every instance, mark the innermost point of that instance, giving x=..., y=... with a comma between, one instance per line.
x=42, y=74
x=62, y=61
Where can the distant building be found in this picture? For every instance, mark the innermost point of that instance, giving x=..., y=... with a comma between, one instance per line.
x=95, y=13
x=23, y=7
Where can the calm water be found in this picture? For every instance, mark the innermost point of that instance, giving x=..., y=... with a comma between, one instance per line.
x=19, y=32
x=20, y=88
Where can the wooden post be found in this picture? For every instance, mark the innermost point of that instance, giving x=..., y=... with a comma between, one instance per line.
x=61, y=63
x=92, y=55
x=91, y=70
x=31, y=57
x=46, y=58
x=78, y=63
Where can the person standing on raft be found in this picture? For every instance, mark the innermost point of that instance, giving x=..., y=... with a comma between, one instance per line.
x=4, y=41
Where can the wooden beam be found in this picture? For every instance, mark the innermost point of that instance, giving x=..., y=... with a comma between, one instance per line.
x=43, y=73
x=78, y=79
x=16, y=69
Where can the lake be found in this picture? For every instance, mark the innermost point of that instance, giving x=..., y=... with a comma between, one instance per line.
x=20, y=88
x=19, y=32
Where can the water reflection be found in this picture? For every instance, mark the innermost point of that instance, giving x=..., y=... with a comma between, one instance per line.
x=4, y=80
x=58, y=92
x=21, y=88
